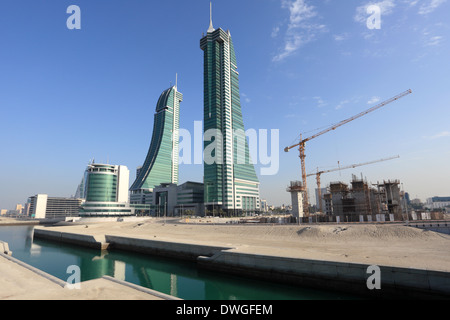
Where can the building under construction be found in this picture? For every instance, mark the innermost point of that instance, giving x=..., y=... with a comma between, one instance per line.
x=296, y=189
x=362, y=202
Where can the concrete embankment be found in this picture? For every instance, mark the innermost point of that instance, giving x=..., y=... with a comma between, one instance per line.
x=4, y=248
x=156, y=247
x=350, y=277
x=96, y=242
x=189, y=251
x=436, y=226
x=272, y=265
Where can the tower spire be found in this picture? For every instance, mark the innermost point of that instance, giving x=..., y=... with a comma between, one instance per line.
x=211, y=28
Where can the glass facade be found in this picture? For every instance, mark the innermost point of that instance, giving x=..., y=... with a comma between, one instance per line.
x=104, y=187
x=161, y=163
x=190, y=192
x=232, y=182
x=101, y=183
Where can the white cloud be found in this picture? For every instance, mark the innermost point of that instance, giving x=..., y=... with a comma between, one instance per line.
x=352, y=100
x=386, y=7
x=411, y=3
x=441, y=135
x=320, y=102
x=246, y=98
x=300, y=29
x=373, y=100
x=340, y=37
x=299, y=12
x=430, y=6
x=275, y=32
x=341, y=104
x=433, y=41
x=430, y=38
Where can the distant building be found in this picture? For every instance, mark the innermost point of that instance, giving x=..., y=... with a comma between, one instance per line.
x=3, y=212
x=38, y=206
x=264, y=206
x=42, y=206
x=19, y=208
x=80, y=193
x=438, y=202
x=106, y=191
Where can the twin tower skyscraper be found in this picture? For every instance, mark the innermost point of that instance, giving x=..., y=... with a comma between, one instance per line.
x=230, y=183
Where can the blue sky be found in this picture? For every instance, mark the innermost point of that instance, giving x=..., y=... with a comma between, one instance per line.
x=67, y=96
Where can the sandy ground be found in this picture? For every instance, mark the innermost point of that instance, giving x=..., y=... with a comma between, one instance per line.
x=381, y=244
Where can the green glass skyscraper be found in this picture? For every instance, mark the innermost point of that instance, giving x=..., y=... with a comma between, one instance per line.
x=230, y=182
x=161, y=163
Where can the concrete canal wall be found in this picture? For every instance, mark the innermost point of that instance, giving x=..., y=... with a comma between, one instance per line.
x=436, y=226
x=96, y=242
x=189, y=251
x=156, y=247
x=4, y=248
x=330, y=275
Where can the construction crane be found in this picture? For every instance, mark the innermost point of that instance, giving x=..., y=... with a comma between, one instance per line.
x=319, y=173
x=302, y=142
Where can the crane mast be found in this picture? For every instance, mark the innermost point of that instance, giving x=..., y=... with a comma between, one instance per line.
x=302, y=142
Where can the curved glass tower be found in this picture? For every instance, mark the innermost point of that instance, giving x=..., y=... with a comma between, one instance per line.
x=161, y=164
x=106, y=191
x=102, y=183
x=230, y=183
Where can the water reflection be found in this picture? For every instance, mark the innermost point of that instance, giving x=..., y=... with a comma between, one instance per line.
x=175, y=277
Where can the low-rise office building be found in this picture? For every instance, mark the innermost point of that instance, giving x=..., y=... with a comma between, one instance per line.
x=190, y=199
x=41, y=206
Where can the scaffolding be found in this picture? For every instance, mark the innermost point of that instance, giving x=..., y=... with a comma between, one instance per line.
x=361, y=202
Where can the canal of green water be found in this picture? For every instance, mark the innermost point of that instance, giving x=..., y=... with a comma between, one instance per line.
x=179, y=278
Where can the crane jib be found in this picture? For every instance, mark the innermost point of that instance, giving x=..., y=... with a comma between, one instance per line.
x=302, y=142
x=382, y=104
